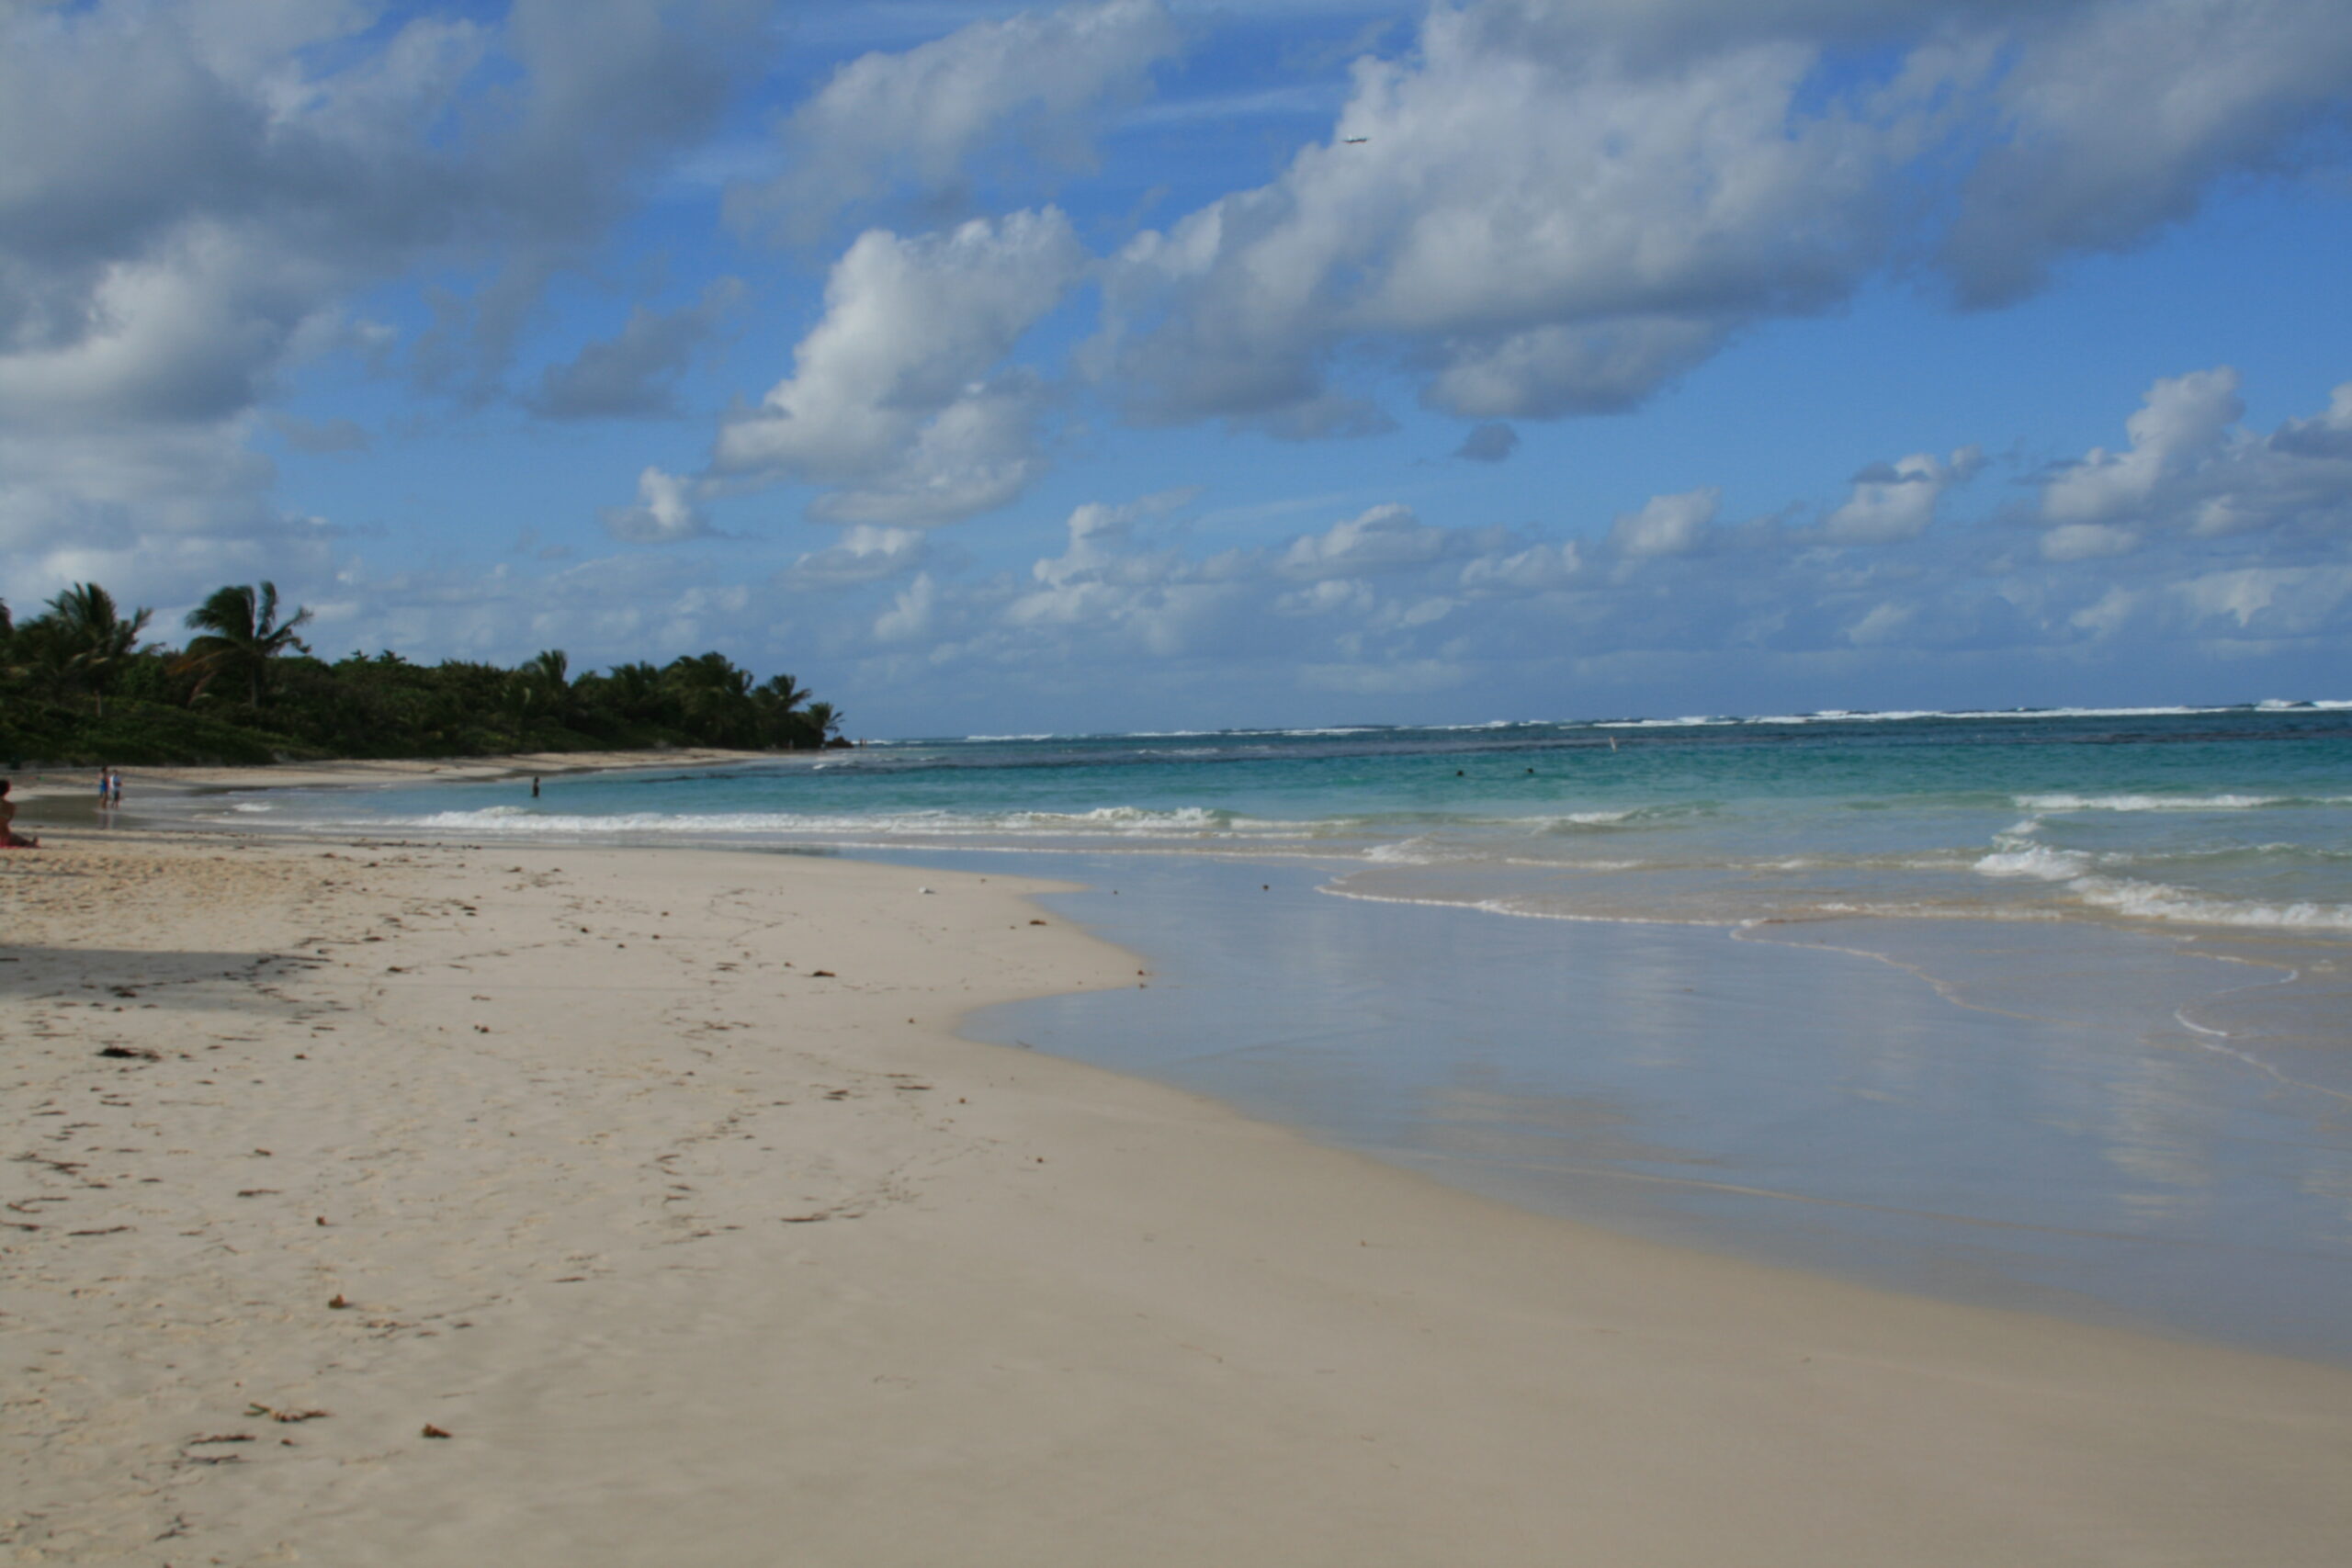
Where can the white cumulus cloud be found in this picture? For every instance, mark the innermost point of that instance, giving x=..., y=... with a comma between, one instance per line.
x=1380, y=538
x=2185, y=421
x=1387, y=600
x=899, y=400
x=1548, y=210
x=1547, y=231
x=2118, y=117
x=1666, y=524
x=866, y=554
x=2087, y=541
x=1897, y=501
x=665, y=511
x=2190, y=468
x=919, y=117
x=192, y=195
x=909, y=614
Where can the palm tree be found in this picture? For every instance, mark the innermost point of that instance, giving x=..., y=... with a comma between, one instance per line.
x=543, y=684
x=715, y=696
x=9, y=651
x=713, y=673
x=781, y=693
x=779, y=698
x=630, y=692
x=636, y=680
x=550, y=667
x=242, y=632
x=87, y=638
x=825, y=720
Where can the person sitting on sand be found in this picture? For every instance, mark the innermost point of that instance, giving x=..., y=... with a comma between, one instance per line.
x=9, y=837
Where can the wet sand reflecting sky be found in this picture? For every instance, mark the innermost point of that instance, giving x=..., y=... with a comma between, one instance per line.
x=2113, y=1124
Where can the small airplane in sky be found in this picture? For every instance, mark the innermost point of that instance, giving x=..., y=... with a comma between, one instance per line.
x=1358, y=140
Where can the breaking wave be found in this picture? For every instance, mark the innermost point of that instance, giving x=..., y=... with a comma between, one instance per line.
x=2018, y=855
x=2063, y=802
x=1190, y=822
x=2157, y=901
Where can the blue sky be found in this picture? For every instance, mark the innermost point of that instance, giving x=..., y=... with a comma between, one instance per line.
x=1000, y=369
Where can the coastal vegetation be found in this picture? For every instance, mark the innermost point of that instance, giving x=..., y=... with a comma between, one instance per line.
x=81, y=684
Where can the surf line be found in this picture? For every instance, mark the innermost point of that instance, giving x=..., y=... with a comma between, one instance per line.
x=2216, y=1040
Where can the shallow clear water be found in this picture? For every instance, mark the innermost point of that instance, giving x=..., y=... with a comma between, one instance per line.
x=2049, y=1117
x=2233, y=817
x=2054, y=1009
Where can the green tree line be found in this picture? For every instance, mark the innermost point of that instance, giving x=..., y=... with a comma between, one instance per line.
x=80, y=684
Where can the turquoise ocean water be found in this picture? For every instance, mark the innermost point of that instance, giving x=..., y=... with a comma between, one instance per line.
x=2050, y=1009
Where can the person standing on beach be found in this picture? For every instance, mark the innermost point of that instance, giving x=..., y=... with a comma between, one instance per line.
x=8, y=837
x=114, y=786
x=535, y=788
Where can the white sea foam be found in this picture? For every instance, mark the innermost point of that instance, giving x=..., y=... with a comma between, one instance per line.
x=1426, y=849
x=2037, y=861
x=1189, y=822
x=1573, y=822
x=1520, y=908
x=2225, y=854
x=2019, y=856
x=1901, y=716
x=2161, y=712
x=2155, y=901
x=1133, y=818
x=2170, y=802
x=1826, y=716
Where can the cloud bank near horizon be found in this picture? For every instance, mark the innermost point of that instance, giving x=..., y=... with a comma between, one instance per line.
x=2215, y=543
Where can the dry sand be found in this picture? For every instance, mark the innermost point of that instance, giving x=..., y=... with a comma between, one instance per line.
x=701, y=1257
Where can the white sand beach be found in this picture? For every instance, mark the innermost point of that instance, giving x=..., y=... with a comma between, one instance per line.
x=660, y=1185
x=57, y=784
